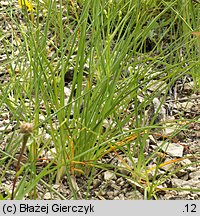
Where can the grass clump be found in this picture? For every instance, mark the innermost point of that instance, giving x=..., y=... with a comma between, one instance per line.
x=117, y=51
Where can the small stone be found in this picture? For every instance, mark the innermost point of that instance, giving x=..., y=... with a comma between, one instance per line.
x=41, y=117
x=56, y=186
x=109, y=176
x=169, y=128
x=185, y=177
x=67, y=91
x=110, y=193
x=186, y=162
x=122, y=183
x=187, y=106
x=188, y=87
x=179, y=183
x=195, y=175
x=119, y=180
x=6, y=129
x=114, y=186
x=6, y=121
x=96, y=183
x=5, y=115
x=182, y=174
x=100, y=177
x=124, y=190
x=121, y=197
x=195, y=147
x=116, y=193
x=155, y=85
x=126, y=185
x=172, y=149
x=134, y=195
x=51, y=153
x=5, y=3
x=46, y=137
x=102, y=193
x=123, y=169
x=47, y=196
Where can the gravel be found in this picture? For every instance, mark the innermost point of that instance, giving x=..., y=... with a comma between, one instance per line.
x=118, y=183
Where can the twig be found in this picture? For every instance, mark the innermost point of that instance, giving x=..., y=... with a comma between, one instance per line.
x=26, y=129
